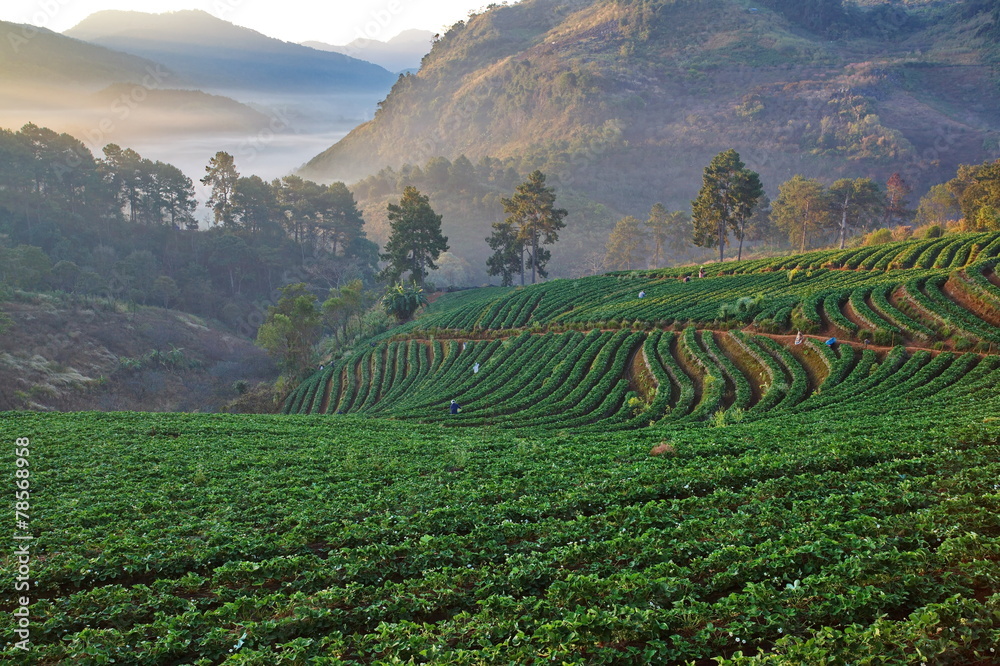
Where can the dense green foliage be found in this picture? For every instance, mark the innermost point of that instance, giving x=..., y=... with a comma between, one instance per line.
x=865, y=529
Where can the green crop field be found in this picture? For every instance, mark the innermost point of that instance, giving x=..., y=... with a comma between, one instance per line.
x=665, y=480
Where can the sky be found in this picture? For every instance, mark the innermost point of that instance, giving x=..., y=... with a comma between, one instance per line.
x=333, y=22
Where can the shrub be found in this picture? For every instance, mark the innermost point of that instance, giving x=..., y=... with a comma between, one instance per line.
x=878, y=237
x=883, y=337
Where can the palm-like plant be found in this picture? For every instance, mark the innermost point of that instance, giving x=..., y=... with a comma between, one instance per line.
x=402, y=301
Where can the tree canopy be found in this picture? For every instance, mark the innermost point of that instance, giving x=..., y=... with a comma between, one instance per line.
x=533, y=213
x=415, y=241
x=725, y=202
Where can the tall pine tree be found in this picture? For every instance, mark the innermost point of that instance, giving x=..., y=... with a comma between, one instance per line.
x=533, y=213
x=415, y=240
x=726, y=201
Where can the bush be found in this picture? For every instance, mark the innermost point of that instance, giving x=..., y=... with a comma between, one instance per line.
x=883, y=338
x=934, y=231
x=878, y=237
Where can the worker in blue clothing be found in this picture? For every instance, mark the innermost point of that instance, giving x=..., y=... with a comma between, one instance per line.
x=455, y=407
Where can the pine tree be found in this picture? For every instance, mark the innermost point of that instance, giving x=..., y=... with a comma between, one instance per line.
x=626, y=245
x=507, y=258
x=802, y=209
x=533, y=213
x=855, y=201
x=415, y=240
x=726, y=201
x=221, y=174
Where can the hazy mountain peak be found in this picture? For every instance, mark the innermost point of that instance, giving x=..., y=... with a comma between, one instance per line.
x=401, y=52
x=214, y=53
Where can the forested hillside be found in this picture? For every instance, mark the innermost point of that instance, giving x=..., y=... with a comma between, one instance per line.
x=622, y=103
x=121, y=227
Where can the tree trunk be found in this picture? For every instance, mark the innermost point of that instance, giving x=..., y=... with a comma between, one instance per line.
x=739, y=253
x=843, y=222
x=534, y=255
x=722, y=240
x=805, y=220
x=522, y=264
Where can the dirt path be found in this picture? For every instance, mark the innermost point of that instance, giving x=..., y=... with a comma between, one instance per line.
x=685, y=364
x=852, y=316
x=816, y=370
x=751, y=368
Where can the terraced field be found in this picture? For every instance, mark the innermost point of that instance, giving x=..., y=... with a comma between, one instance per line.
x=591, y=352
x=630, y=481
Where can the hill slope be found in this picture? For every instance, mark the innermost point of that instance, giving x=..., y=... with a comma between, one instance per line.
x=624, y=99
x=630, y=350
x=216, y=54
x=38, y=56
x=57, y=355
x=845, y=513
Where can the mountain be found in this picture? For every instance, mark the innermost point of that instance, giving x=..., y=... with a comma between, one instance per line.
x=217, y=55
x=628, y=101
x=402, y=52
x=40, y=56
x=103, y=95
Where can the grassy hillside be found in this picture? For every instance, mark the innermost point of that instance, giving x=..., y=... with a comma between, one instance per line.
x=70, y=355
x=622, y=104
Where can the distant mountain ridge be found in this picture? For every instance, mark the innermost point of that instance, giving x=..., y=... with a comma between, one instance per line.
x=402, y=52
x=215, y=54
x=101, y=95
x=40, y=56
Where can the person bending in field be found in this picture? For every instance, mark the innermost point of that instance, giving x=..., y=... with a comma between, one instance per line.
x=798, y=337
x=455, y=407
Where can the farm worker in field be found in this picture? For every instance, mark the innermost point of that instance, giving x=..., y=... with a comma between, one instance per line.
x=687, y=278
x=701, y=272
x=798, y=337
x=642, y=294
x=475, y=368
x=454, y=407
x=831, y=342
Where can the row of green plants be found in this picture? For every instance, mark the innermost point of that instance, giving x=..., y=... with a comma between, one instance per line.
x=572, y=380
x=802, y=535
x=774, y=301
